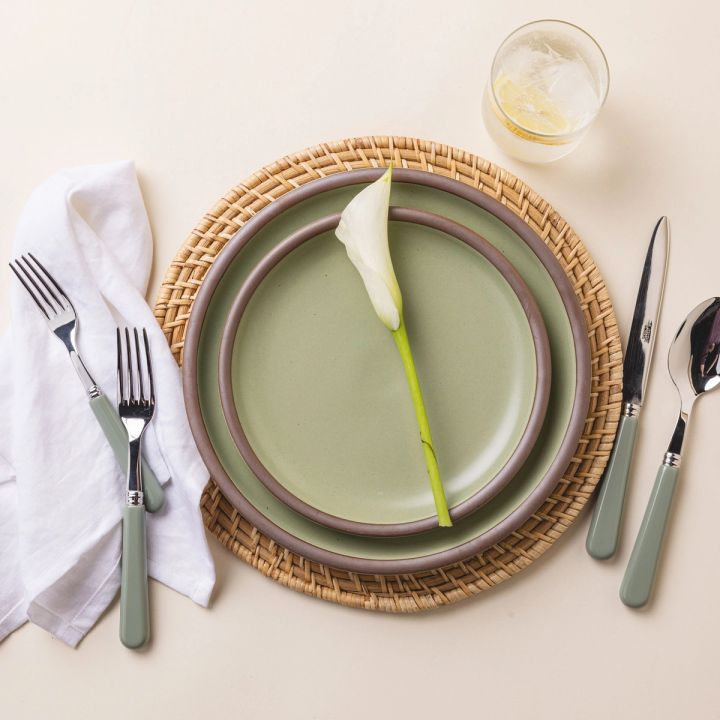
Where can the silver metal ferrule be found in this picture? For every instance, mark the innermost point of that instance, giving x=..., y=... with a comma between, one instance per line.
x=85, y=378
x=671, y=459
x=630, y=409
x=135, y=498
x=94, y=391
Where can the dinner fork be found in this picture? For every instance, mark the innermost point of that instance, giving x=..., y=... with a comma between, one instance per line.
x=61, y=318
x=136, y=408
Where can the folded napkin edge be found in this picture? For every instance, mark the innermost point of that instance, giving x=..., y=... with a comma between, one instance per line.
x=57, y=626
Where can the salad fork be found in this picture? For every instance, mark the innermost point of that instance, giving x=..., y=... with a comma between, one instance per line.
x=136, y=408
x=61, y=318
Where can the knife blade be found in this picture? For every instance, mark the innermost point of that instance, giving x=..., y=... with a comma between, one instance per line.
x=641, y=341
x=604, y=533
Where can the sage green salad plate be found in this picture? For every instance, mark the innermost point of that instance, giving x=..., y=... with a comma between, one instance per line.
x=533, y=260
x=315, y=396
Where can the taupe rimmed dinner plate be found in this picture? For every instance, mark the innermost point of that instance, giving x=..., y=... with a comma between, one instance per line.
x=326, y=422
x=489, y=524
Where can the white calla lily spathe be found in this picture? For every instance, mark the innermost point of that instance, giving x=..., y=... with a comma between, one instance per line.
x=363, y=229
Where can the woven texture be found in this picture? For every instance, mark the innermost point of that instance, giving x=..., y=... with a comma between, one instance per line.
x=433, y=588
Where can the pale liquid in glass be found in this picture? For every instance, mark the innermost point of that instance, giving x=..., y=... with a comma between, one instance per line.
x=542, y=97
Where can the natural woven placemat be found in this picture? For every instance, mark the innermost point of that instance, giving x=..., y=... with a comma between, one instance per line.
x=433, y=588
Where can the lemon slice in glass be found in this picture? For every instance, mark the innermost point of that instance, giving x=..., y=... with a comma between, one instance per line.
x=529, y=107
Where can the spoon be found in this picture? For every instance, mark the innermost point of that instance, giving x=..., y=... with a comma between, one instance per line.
x=693, y=362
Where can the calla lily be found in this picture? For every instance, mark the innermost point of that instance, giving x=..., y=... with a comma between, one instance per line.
x=363, y=229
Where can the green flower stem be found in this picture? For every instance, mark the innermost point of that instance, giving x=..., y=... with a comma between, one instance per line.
x=403, y=344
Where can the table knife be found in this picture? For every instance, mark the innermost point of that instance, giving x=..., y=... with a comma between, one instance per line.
x=602, y=539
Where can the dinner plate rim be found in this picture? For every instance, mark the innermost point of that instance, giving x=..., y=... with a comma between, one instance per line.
x=540, y=390
x=509, y=523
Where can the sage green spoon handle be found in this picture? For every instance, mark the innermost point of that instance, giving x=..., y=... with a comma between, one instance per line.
x=602, y=539
x=134, y=610
x=640, y=573
x=115, y=432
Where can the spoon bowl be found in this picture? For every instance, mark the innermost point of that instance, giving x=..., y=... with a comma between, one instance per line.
x=694, y=353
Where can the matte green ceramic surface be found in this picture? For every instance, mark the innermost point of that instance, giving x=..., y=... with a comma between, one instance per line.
x=321, y=392
x=561, y=397
x=466, y=367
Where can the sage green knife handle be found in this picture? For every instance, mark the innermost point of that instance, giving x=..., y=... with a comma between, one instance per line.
x=640, y=573
x=602, y=539
x=115, y=432
x=134, y=610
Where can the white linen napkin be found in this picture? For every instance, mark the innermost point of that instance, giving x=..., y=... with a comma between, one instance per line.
x=61, y=490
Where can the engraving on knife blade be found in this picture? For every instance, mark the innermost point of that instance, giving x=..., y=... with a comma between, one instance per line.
x=647, y=331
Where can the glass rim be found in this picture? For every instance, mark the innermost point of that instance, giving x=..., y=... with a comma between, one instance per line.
x=515, y=122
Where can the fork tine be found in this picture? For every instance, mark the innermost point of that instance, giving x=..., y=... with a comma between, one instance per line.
x=62, y=293
x=120, y=384
x=29, y=290
x=141, y=389
x=38, y=276
x=128, y=353
x=49, y=307
x=149, y=367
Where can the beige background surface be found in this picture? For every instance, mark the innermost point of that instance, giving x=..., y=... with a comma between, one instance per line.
x=201, y=94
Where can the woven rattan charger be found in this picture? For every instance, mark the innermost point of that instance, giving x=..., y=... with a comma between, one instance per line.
x=433, y=588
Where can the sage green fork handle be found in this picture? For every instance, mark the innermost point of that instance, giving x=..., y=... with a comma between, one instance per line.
x=602, y=539
x=134, y=609
x=115, y=432
x=640, y=573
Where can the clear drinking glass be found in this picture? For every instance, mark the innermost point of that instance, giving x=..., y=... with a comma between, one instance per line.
x=547, y=84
